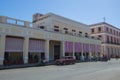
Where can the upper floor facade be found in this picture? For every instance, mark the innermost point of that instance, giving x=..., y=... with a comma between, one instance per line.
x=106, y=32
x=53, y=22
x=15, y=27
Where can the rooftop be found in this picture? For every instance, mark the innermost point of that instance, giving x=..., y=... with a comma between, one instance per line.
x=103, y=23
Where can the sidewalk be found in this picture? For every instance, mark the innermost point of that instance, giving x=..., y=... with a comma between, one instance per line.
x=50, y=63
x=26, y=65
x=19, y=66
x=114, y=60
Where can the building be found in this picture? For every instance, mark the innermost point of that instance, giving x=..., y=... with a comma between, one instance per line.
x=48, y=37
x=110, y=36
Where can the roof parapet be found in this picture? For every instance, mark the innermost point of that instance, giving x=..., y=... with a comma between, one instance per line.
x=8, y=20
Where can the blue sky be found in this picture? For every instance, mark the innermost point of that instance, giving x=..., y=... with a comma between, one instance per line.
x=85, y=11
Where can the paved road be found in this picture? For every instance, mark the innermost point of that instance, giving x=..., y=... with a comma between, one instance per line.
x=80, y=71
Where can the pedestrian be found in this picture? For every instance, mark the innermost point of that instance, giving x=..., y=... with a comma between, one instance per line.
x=82, y=58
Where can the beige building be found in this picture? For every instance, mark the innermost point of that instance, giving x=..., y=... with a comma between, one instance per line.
x=110, y=36
x=49, y=37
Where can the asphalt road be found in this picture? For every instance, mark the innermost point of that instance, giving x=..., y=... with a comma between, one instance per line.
x=80, y=71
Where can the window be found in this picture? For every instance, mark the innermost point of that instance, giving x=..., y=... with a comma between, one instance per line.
x=86, y=34
x=56, y=28
x=114, y=40
x=80, y=32
x=117, y=41
x=111, y=31
x=107, y=39
x=41, y=27
x=117, y=33
x=92, y=30
x=66, y=30
x=114, y=32
x=107, y=29
x=73, y=31
x=99, y=36
x=111, y=39
x=99, y=29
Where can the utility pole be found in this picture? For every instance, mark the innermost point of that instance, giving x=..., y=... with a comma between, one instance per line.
x=104, y=19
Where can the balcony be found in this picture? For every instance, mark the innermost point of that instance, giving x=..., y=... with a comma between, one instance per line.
x=110, y=43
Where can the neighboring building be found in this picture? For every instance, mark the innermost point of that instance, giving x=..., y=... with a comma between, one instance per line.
x=110, y=37
x=50, y=37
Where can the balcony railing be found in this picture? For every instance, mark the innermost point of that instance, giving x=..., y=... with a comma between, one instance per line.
x=110, y=43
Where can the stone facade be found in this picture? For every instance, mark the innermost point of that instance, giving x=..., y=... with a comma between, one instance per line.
x=110, y=37
x=48, y=38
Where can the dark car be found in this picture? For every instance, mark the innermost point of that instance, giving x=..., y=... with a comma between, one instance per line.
x=65, y=60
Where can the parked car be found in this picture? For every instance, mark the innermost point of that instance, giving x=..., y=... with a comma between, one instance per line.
x=105, y=58
x=65, y=60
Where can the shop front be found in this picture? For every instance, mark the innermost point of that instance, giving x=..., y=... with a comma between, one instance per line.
x=13, y=51
x=36, y=52
x=78, y=50
x=68, y=48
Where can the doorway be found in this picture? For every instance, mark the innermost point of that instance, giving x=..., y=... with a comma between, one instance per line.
x=56, y=52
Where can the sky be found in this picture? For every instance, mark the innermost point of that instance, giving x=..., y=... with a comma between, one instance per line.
x=85, y=11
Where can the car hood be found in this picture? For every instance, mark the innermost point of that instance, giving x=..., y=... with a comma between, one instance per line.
x=60, y=59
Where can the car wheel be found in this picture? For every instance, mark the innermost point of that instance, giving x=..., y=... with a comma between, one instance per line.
x=58, y=63
x=64, y=63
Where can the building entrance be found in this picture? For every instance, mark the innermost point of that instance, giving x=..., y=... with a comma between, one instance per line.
x=56, y=52
x=77, y=56
x=13, y=58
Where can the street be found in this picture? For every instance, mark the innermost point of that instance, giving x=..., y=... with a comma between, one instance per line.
x=80, y=71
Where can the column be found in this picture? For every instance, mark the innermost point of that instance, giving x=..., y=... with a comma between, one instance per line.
x=95, y=50
x=105, y=50
x=74, y=49
x=62, y=49
x=90, y=52
x=102, y=51
x=82, y=57
x=47, y=50
x=3, y=19
x=104, y=39
x=26, y=47
x=82, y=50
x=2, y=48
